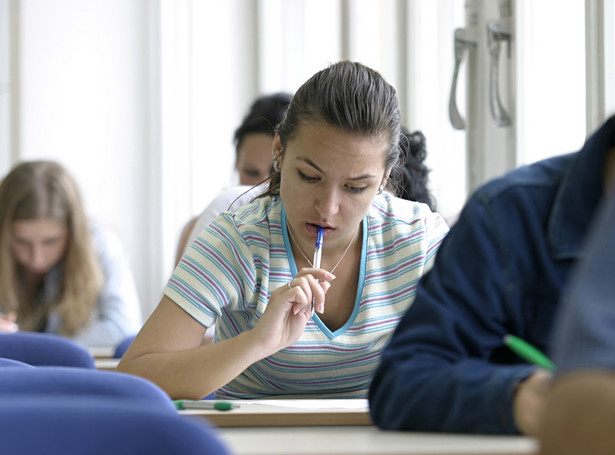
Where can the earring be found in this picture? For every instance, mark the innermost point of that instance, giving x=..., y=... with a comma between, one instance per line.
x=380, y=189
x=276, y=163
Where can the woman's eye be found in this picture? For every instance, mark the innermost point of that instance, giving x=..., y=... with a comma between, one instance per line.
x=307, y=178
x=356, y=189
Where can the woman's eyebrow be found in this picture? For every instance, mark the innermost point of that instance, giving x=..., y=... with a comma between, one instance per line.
x=310, y=163
x=315, y=166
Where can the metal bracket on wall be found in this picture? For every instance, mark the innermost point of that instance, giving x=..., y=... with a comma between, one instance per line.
x=464, y=40
x=497, y=31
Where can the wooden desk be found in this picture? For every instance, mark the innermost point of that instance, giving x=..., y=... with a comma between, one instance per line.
x=366, y=440
x=102, y=352
x=338, y=427
x=106, y=364
x=264, y=413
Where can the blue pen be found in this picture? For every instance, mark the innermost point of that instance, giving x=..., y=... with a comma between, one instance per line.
x=317, y=254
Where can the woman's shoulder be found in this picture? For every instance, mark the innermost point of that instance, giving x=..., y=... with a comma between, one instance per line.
x=260, y=210
x=105, y=240
x=387, y=209
x=255, y=222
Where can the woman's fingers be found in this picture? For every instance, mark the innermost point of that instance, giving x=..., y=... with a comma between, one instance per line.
x=314, y=283
x=7, y=323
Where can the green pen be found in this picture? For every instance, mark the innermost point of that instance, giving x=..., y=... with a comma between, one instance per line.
x=204, y=404
x=528, y=352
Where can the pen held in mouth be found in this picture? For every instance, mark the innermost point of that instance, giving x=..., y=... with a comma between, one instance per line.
x=318, y=248
x=317, y=255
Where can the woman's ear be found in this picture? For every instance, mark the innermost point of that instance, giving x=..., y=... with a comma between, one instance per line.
x=276, y=150
x=383, y=183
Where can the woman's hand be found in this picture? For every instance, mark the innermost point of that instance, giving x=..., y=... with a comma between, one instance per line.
x=529, y=401
x=290, y=307
x=7, y=323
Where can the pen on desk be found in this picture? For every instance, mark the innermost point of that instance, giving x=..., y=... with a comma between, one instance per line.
x=204, y=404
x=528, y=352
x=317, y=254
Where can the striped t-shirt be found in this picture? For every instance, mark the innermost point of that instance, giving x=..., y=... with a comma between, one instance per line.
x=230, y=270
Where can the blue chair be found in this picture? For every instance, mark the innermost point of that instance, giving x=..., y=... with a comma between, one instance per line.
x=13, y=363
x=100, y=426
x=45, y=381
x=122, y=346
x=44, y=349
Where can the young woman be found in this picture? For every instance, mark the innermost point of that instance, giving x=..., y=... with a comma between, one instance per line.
x=58, y=272
x=251, y=270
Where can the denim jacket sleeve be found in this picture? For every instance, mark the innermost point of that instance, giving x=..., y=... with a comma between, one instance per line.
x=445, y=368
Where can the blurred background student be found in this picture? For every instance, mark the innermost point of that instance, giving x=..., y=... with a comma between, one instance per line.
x=253, y=162
x=59, y=272
x=413, y=177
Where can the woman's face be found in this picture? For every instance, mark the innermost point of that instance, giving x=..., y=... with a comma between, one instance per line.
x=329, y=178
x=40, y=244
x=254, y=158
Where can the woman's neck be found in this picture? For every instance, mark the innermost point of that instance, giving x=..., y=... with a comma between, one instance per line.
x=32, y=281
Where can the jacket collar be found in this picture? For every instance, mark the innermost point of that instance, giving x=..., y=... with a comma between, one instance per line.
x=579, y=194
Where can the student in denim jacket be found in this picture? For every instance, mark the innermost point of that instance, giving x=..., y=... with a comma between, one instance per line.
x=501, y=270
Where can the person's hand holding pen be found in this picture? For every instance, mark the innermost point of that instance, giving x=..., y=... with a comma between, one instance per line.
x=7, y=323
x=530, y=399
x=290, y=308
x=531, y=393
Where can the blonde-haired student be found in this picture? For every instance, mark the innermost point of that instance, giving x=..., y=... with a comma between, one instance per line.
x=59, y=272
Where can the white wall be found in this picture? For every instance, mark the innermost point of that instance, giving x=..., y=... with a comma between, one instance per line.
x=140, y=98
x=5, y=86
x=83, y=100
x=118, y=91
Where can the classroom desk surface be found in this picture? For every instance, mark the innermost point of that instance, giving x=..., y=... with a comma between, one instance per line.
x=304, y=412
x=366, y=440
x=102, y=352
x=338, y=427
x=106, y=364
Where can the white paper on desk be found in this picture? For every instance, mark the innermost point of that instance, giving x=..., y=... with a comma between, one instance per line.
x=316, y=404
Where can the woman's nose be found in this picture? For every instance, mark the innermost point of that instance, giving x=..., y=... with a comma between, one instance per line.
x=327, y=203
x=37, y=256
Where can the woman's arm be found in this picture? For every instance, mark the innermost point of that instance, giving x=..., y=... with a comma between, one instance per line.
x=437, y=372
x=169, y=351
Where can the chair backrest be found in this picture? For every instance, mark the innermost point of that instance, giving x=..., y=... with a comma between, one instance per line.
x=97, y=426
x=122, y=346
x=13, y=363
x=44, y=349
x=45, y=381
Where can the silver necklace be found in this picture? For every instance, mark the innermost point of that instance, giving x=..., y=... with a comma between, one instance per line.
x=310, y=262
